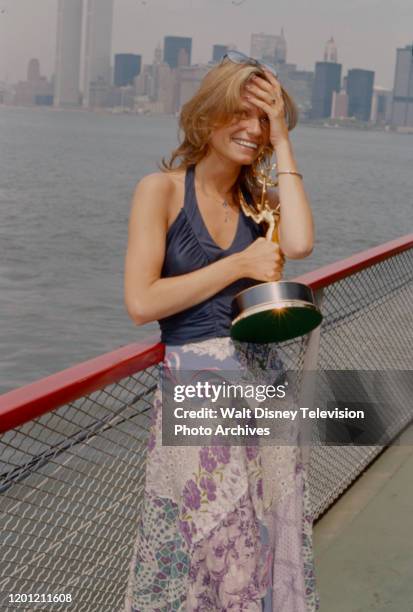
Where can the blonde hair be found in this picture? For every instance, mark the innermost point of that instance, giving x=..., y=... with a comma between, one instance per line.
x=214, y=105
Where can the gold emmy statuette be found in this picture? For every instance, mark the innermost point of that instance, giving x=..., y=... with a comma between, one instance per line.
x=274, y=311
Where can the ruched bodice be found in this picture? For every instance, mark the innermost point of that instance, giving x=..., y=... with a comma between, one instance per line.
x=189, y=247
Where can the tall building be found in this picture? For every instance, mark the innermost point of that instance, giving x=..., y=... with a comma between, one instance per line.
x=262, y=45
x=165, y=82
x=157, y=88
x=145, y=83
x=269, y=47
x=330, y=51
x=36, y=90
x=127, y=67
x=299, y=84
x=189, y=79
x=280, y=56
x=157, y=56
x=381, y=105
x=177, y=51
x=68, y=46
x=402, y=110
x=98, y=49
x=339, y=105
x=327, y=79
x=360, y=92
x=33, y=70
x=218, y=52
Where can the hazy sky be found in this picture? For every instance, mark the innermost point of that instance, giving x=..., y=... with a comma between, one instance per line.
x=367, y=32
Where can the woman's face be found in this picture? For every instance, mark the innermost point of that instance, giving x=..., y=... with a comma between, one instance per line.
x=244, y=138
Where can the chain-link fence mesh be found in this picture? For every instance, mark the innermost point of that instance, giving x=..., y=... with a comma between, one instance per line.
x=367, y=325
x=70, y=497
x=72, y=480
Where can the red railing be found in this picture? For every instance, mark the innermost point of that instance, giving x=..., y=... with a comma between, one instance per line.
x=31, y=401
x=331, y=273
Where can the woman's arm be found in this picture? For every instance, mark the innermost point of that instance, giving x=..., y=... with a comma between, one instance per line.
x=149, y=297
x=296, y=227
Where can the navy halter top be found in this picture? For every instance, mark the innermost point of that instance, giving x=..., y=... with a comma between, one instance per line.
x=189, y=247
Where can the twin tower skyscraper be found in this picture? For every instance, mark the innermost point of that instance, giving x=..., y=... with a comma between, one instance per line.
x=84, y=46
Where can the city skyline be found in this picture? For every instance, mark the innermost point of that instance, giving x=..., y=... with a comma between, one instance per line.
x=189, y=17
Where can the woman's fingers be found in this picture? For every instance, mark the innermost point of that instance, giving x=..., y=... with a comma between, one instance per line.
x=263, y=83
x=271, y=78
x=259, y=92
x=271, y=108
x=270, y=83
x=246, y=103
x=274, y=83
x=267, y=93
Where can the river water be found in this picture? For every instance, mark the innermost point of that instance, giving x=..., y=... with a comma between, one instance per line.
x=67, y=178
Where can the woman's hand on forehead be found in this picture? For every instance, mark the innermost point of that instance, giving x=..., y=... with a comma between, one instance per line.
x=265, y=94
x=251, y=108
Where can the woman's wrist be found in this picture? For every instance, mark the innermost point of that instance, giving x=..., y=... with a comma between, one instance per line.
x=285, y=157
x=282, y=144
x=238, y=264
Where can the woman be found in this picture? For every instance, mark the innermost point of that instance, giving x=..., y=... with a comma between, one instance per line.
x=222, y=527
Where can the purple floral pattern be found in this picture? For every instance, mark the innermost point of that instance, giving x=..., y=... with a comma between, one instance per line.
x=206, y=540
x=230, y=568
x=207, y=459
x=209, y=486
x=221, y=453
x=192, y=495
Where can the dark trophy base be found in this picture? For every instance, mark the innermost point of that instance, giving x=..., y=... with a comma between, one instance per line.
x=274, y=312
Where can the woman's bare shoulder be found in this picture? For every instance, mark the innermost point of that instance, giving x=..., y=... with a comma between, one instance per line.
x=159, y=183
x=159, y=194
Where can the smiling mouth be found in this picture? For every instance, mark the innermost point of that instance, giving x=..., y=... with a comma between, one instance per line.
x=246, y=144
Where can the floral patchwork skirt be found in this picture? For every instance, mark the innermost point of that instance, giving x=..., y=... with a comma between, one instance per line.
x=223, y=528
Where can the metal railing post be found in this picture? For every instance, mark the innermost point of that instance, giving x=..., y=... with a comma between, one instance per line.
x=307, y=389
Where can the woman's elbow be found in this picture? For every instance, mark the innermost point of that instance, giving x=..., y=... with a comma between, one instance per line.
x=139, y=313
x=297, y=246
x=299, y=252
x=138, y=319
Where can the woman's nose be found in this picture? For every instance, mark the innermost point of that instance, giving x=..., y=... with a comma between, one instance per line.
x=254, y=126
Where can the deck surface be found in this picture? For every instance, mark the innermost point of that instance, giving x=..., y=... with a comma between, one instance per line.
x=364, y=543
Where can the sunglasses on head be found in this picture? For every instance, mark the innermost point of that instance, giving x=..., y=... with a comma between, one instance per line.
x=240, y=58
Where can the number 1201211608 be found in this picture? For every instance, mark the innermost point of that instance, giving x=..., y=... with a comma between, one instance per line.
x=40, y=598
